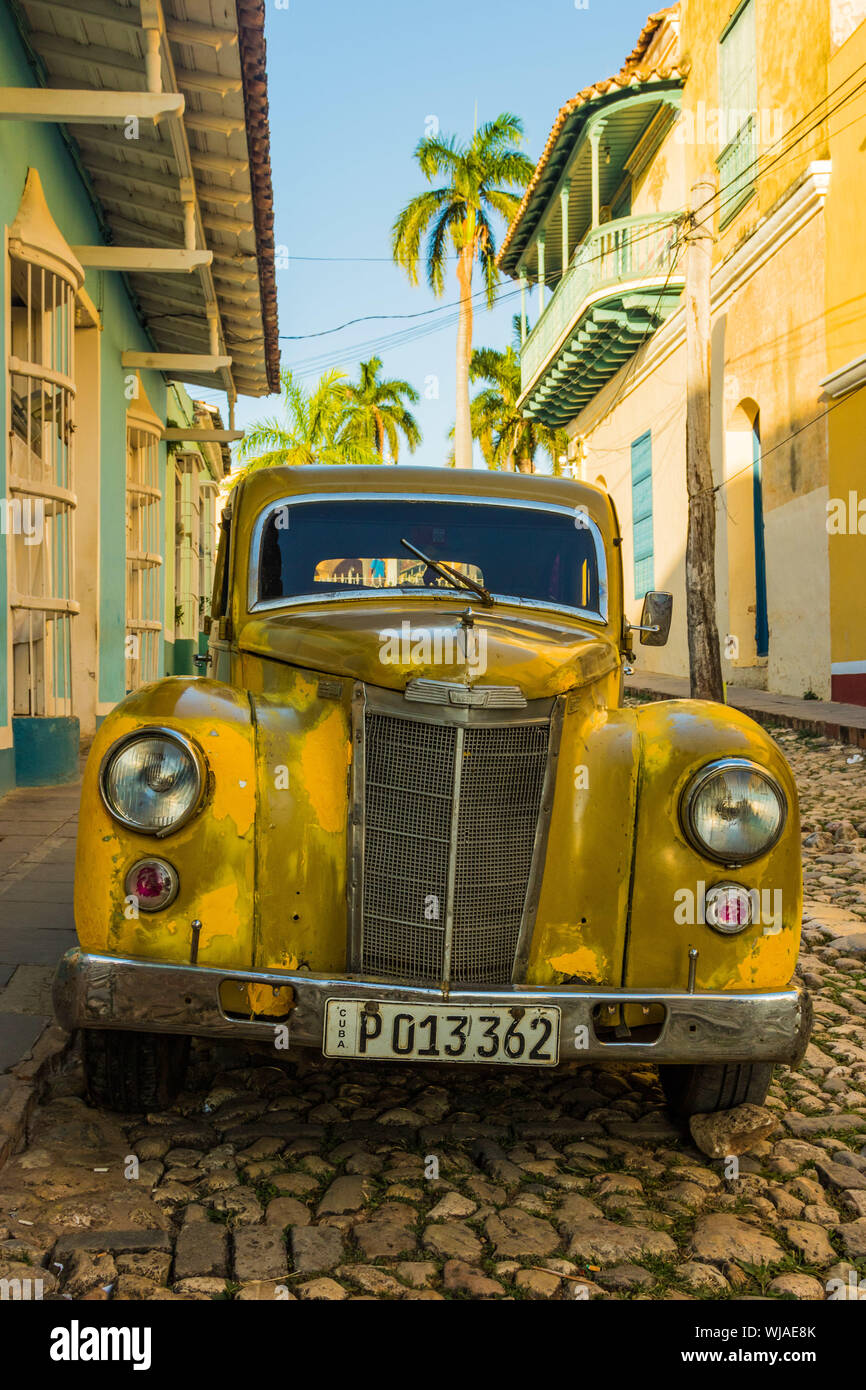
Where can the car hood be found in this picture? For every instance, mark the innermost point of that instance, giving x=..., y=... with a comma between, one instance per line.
x=390, y=644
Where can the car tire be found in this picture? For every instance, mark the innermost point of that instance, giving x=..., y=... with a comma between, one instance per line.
x=134, y=1072
x=703, y=1089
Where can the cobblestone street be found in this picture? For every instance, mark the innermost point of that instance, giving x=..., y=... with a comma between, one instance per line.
x=315, y=1180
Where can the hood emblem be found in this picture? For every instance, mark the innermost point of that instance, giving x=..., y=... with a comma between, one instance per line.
x=431, y=692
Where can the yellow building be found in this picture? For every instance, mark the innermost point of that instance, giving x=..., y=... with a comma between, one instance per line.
x=742, y=97
x=846, y=363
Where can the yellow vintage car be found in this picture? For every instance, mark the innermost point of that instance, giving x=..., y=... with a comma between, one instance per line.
x=404, y=815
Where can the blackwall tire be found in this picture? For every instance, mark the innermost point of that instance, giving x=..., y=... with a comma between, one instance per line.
x=133, y=1072
x=704, y=1089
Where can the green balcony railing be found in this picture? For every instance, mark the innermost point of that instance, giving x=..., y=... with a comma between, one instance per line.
x=737, y=165
x=630, y=248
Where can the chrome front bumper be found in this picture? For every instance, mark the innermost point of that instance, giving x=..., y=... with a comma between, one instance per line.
x=96, y=991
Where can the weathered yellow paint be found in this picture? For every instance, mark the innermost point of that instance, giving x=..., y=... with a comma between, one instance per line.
x=543, y=655
x=583, y=904
x=213, y=854
x=846, y=342
x=582, y=963
x=323, y=749
x=694, y=733
x=303, y=810
x=264, y=865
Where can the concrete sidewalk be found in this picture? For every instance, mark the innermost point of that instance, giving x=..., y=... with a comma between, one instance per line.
x=37, y=851
x=847, y=723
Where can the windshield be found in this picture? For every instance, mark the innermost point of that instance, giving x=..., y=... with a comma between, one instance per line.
x=342, y=545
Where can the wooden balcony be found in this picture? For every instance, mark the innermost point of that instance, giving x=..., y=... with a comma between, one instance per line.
x=621, y=284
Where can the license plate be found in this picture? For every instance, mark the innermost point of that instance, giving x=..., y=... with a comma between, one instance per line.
x=442, y=1033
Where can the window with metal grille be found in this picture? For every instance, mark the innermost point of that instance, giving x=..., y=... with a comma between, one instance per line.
x=208, y=493
x=143, y=557
x=738, y=102
x=40, y=505
x=642, y=513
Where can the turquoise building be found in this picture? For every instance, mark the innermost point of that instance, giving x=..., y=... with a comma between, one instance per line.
x=137, y=276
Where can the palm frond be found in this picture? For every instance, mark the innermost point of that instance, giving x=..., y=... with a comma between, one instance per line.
x=410, y=226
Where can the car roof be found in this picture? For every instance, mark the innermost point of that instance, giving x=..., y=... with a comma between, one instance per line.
x=268, y=485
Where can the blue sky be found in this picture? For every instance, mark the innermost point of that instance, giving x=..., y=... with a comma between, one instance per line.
x=351, y=87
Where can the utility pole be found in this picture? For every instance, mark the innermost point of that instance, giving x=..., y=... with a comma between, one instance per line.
x=705, y=665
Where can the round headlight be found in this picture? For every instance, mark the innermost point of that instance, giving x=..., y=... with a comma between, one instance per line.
x=152, y=780
x=733, y=811
x=728, y=908
x=153, y=883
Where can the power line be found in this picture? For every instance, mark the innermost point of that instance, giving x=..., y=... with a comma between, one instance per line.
x=455, y=303
x=792, y=139
x=765, y=453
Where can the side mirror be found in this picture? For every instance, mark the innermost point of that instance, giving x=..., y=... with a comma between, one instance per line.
x=655, y=618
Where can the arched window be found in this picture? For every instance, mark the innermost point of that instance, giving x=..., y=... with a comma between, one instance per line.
x=44, y=278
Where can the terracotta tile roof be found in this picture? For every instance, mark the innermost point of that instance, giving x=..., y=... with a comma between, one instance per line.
x=251, y=35
x=647, y=34
x=630, y=75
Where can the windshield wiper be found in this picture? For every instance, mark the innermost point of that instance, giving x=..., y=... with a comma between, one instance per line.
x=448, y=573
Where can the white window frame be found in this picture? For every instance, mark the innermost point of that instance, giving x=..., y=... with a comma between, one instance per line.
x=143, y=548
x=41, y=303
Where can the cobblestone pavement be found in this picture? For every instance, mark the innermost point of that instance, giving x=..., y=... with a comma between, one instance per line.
x=315, y=1180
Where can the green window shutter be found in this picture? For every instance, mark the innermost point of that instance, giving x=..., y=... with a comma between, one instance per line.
x=642, y=513
x=738, y=72
x=738, y=104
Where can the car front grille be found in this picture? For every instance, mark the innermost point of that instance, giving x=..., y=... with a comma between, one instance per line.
x=451, y=815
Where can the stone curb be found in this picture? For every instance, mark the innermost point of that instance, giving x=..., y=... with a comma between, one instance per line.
x=20, y=1086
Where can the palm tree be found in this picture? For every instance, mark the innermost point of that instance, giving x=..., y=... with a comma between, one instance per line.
x=508, y=440
x=376, y=413
x=316, y=429
x=458, y=215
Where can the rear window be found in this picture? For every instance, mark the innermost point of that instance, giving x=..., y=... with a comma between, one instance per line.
x=351, y=545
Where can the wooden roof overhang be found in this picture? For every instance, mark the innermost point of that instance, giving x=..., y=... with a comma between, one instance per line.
x=180, y=174
x=634, y=114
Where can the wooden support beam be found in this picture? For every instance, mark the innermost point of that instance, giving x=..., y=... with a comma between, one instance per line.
x=174, y=361
x=230, y=197
x=211, y=124
x=216, y=222
x=96, y=55
x=207, y=82
x=203, y=35
x=137, y=259
x=107, y=12
x=114, y=142
x=111, y=193
x=215, y=163
x=84, y=107
x=139, y=231
x=192, y=435
x=129, y=171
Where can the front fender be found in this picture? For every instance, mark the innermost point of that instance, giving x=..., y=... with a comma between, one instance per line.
x=213, y=853
x=676, y=738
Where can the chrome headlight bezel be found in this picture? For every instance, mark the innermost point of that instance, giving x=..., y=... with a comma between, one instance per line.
x=171, y=874
x=696, y=784
x=136, y=736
